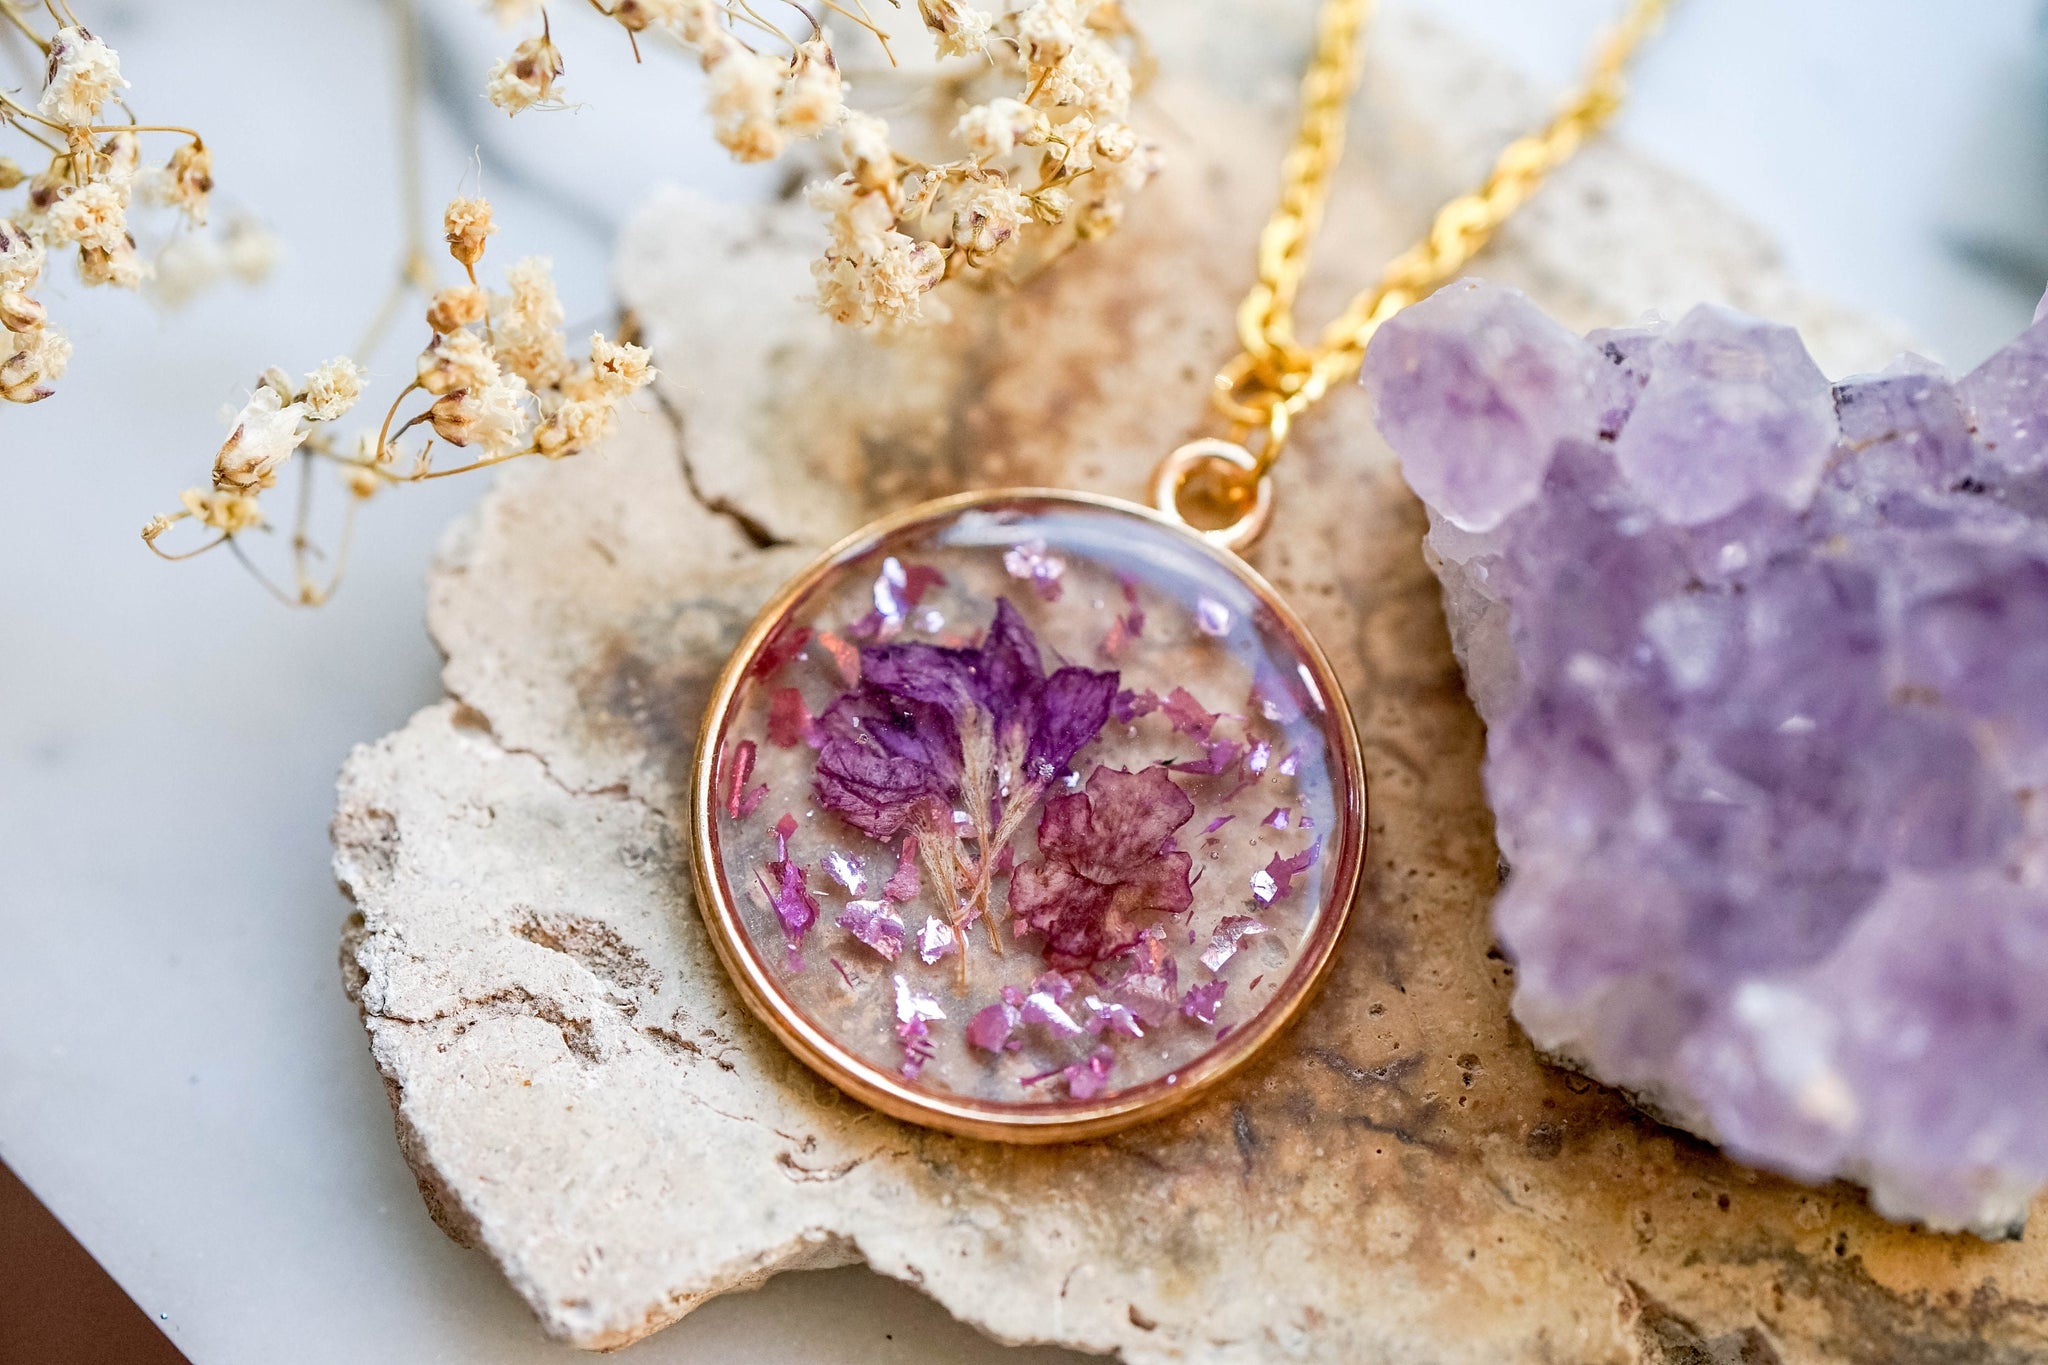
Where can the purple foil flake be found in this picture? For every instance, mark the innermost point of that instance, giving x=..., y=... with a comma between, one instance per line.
x=1275, y=697
x=1126, y=627
x=1257, y=758
x=1201, y=1002
x=1229, y=936
x=1151, y=985
x=935, y=940
x=1212, y=618
x=1129, y=707
x=904, y=882
x=1032, y=563
x=1106, y=1016
x=844, y=975
x=1279, y=874
x=914, y=1004
x=1291, y=764
x=1106, y=866
x=1187, y=715
x=1277, y=818
x=1086, y=1080
x=1218, y=823
x=899, y=588
x=784, y=886
x=992, y=1028
x=1219, y=757
x=1039, y=1007
x=845, y=869
x=875, y=924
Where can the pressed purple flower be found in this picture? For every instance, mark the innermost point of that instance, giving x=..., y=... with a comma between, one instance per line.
x=884, y=757
x=1106, y=866
x=875, y=924
x=896, y=740
x=1201, y=1002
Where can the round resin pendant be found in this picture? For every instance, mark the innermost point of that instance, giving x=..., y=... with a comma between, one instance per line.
x=1027, y=815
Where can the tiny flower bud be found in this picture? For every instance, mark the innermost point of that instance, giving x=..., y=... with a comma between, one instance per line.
x=458, y=306
x=454, y=417
x=466, y=224
x=20, y=313
x=11, y=173
x=1051, y=206
x=1115, y=142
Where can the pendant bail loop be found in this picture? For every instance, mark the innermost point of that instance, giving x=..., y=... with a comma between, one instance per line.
x=1223, y=479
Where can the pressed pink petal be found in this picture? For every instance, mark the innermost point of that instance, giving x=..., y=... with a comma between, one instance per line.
x=790, y=722
x=1187, y=715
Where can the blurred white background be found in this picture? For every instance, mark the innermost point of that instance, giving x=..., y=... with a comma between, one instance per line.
x=180, y=1077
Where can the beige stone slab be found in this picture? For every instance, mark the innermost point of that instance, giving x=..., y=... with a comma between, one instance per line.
x=1402, y=1180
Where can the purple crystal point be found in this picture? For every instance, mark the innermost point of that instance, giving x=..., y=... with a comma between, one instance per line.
x=1733, y=407
x=1762, y=665
x=2005, y=396
x=1488, y=384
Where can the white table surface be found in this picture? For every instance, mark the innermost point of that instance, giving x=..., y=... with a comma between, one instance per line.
x=181, y=1080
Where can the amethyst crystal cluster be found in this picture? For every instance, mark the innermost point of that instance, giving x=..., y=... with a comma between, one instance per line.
x=1764, y=666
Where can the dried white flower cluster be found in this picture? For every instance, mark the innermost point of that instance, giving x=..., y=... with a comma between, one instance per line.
x=495, y=380
x=80, y=201
x=1037, y=169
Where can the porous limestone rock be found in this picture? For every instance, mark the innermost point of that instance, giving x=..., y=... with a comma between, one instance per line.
x=1402, y=1179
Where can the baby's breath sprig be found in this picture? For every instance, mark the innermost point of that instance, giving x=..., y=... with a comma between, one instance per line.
x=92, y=176
x=495, y=380
x=1048, y=163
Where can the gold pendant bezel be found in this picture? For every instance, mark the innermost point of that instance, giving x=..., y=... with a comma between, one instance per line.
x=1052, y=1121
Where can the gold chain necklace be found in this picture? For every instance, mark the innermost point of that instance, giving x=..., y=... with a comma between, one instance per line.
x=1275, y=377
x=934, y=842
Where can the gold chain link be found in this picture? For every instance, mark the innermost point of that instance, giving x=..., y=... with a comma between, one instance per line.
x=1275, y=376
